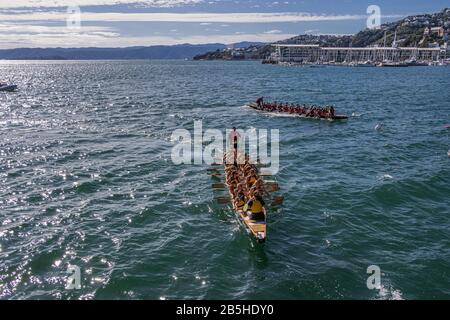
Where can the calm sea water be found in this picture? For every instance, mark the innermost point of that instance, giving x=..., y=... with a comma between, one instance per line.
x=86, y=179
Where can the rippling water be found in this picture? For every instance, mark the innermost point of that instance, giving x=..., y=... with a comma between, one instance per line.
x=87, y=179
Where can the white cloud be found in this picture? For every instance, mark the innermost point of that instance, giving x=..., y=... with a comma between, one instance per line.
x=275, y=31
x=311, y=31
x=14, y=36
x=65, y=3
x=182, y=17
x=17, y=29
x=97, y=39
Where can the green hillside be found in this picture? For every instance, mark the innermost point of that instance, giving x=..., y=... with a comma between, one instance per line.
x=410, y=33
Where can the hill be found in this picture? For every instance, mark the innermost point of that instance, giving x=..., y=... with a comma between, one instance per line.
x=185, y=51
x=418, y=30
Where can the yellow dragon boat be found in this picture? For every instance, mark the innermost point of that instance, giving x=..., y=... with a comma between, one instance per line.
x=257, y=228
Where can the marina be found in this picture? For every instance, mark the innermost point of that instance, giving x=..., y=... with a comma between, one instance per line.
x=310, y=54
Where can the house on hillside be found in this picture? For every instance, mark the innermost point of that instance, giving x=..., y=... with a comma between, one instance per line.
x=440, y=31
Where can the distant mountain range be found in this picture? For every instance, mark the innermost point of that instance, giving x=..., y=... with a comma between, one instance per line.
x=182, y=51
x=419, y=30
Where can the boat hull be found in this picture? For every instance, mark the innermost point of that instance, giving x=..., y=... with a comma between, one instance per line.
x=253, y=105
x=393, y=65
x=8, y=88
x=256, y=228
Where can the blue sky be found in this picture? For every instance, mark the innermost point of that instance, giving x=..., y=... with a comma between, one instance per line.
x=119, y=23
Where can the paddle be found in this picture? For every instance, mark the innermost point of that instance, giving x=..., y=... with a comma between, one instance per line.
x=270, y=187
x=214, y=169
x=219, y=174
x=275, y=201
x=215, y=175
x=214, y=172
x=278, y=200
x=223, y=200
x=215, y=164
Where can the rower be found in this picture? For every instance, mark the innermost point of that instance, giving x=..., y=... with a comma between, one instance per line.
x=260, y=101
x=239, y=199
x=255, y=206
x=247, y=159
x=257, y=184
x=234, y=136
x=251, y=179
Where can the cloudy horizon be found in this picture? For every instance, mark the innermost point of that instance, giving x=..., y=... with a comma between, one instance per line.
x=121, y=23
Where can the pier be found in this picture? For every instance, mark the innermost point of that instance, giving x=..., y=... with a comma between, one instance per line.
x=315, y=54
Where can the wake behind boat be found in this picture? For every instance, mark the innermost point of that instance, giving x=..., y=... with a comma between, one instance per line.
x=302, y=111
